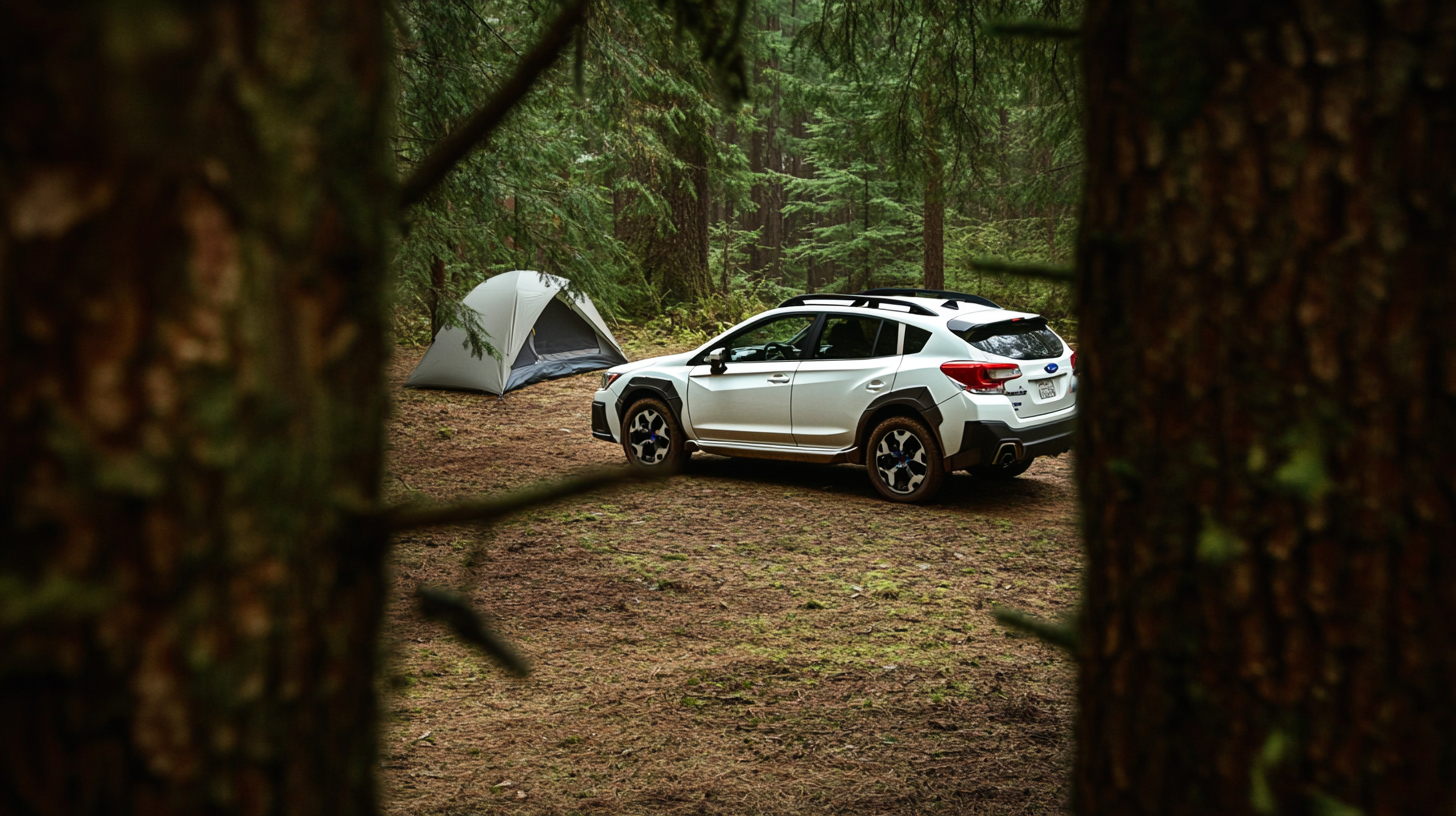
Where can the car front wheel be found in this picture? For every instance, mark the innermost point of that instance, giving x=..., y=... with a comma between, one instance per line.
x=652, y=436
x=904, y=463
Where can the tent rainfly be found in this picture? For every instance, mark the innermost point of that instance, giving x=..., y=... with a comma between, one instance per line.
x=541, y=331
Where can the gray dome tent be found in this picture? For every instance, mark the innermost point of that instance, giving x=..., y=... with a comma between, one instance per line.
x=541, y=331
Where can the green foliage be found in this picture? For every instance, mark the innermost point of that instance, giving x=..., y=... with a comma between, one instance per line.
x=504, y=208
x=696, y=323
x=818, y=182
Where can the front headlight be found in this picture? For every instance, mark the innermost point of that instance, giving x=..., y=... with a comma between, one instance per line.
x=608, y=378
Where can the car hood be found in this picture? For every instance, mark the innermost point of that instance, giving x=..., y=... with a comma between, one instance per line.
x=637, y=365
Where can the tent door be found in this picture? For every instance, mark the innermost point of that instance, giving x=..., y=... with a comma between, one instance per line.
x=559, y=334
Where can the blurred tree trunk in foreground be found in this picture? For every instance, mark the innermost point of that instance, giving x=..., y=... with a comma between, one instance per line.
x=191, y=339
x=1268, y=275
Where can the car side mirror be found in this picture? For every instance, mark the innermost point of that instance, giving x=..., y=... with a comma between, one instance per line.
x=718, y=360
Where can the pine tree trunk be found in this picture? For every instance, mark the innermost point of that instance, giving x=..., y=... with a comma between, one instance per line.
x=191, y=341
x=1003, y=198
x=933, y=226
x=727, y=249
x=773, y=216
x=934, y=234
x=754, y=220
x=678, y=259
x=1266, y=462
x=437, y=293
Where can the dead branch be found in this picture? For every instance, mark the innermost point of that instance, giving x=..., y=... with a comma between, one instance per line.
x=470, y=626
x=1062, y=635
x=489, y=508
x=1051, y=272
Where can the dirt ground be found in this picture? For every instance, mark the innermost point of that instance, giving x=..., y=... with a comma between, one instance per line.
x=751, y=637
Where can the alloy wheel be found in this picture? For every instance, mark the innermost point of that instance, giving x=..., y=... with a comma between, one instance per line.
x=650, y=437
x=900, y=460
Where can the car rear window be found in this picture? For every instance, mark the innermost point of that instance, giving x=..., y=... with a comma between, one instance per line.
x=1030, y=340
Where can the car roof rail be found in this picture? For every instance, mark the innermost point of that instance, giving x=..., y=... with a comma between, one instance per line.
x=861, y=301
x=950, y=297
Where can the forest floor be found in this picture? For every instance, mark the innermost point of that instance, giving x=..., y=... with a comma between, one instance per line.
x=750, y=637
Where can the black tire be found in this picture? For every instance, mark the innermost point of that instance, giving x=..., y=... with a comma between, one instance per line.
x=1003, y=472
x=652, y=437
x=904, y=460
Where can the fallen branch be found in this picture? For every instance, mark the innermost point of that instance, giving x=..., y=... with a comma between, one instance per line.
x=413, y=516
x=458, y=145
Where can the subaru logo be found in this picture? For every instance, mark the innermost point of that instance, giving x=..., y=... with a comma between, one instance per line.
x=1051, y=368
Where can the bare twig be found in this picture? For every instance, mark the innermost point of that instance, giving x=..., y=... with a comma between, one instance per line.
x=1051, y=272
x=459, y=144
x=413, y=516
x=491, y=29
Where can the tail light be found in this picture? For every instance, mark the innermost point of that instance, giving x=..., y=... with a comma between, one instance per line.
x=1074, y=362
x=981, y=378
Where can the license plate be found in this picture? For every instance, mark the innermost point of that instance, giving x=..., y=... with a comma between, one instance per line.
x=1048, y=388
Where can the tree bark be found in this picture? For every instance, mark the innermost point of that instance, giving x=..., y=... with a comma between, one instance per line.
x=934, y=233
x=1268, y=274
x=191, y=341
x=754, y=220
x=773, y=215
x=437, y=293
x=933, y=221
x=676, y=259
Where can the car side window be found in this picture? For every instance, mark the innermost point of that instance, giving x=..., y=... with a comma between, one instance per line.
x=888, y=343
x=784, y=338
x=856, y=338
x=915, y=339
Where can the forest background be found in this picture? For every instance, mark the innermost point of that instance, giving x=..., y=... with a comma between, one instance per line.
x=200, y=234
x=922, y=155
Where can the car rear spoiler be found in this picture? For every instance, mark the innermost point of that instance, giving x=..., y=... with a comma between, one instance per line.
x=973, y=332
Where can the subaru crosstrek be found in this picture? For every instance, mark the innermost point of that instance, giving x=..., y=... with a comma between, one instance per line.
x=911, y=383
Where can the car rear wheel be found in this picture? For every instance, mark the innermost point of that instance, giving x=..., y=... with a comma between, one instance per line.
x=905, y=463
x=1009, y=471
x=652, y=437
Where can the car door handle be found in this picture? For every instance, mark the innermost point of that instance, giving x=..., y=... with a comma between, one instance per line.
x=779, y=378
x=875, y=385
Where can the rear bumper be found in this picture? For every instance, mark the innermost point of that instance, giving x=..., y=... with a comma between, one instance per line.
x=981, y=440
x=600, y=429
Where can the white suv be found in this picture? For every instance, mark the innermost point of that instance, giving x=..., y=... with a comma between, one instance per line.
x=912, y=383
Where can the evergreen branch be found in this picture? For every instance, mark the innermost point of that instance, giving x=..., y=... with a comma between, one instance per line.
x=413, y=516
x=1051, y=272
x=1062, y=635
x=470, y=626
x=459, y=144
x=1033, y=30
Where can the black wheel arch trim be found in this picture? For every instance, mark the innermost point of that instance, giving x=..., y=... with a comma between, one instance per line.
x=917, y=398
x=660, y=387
